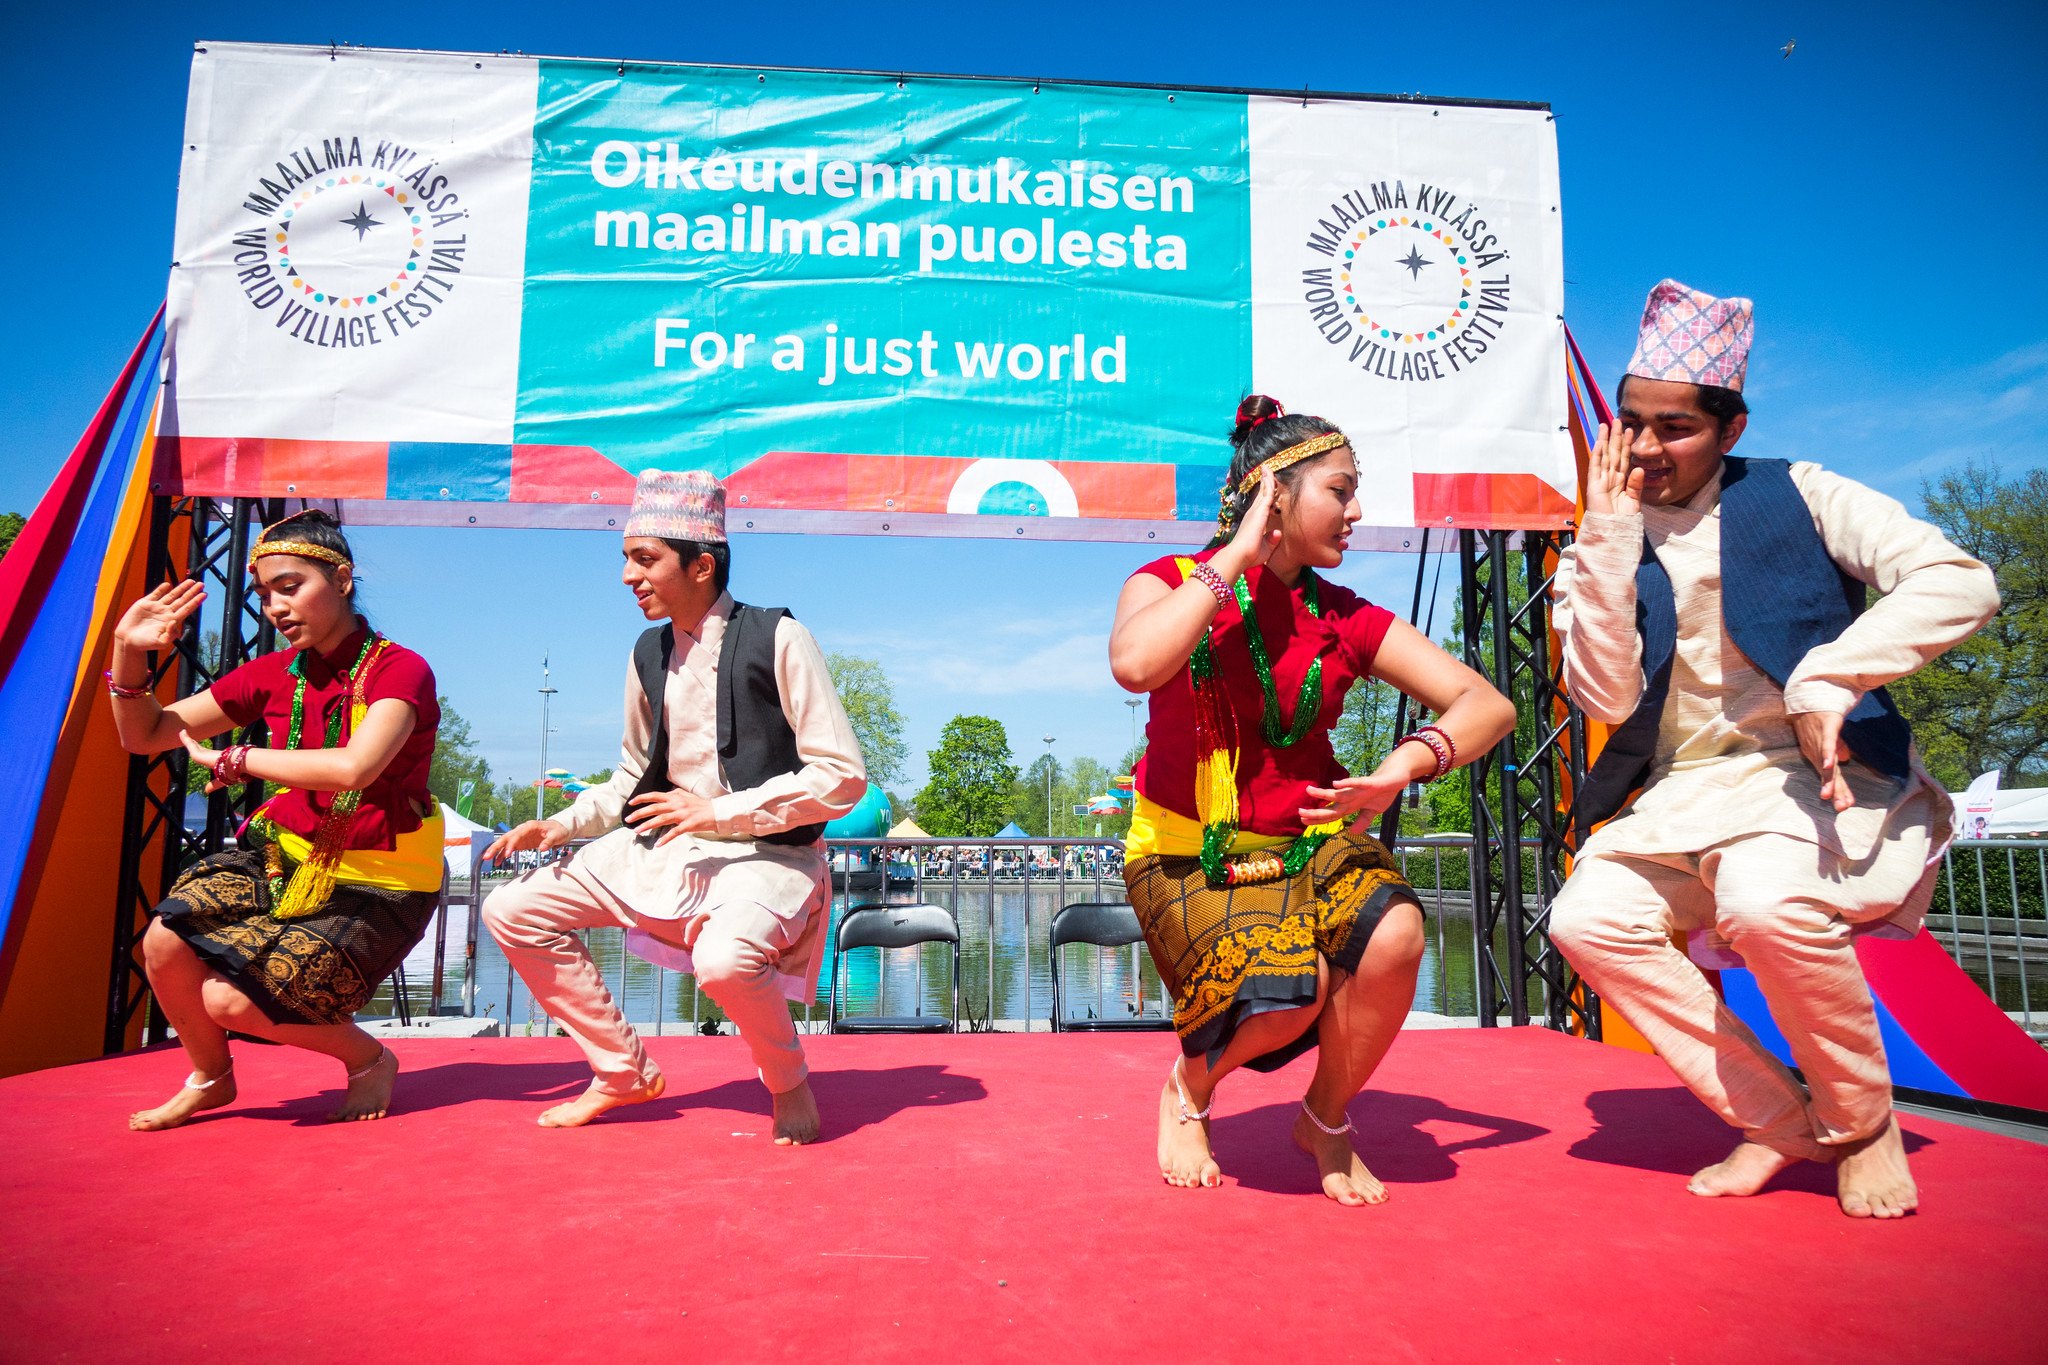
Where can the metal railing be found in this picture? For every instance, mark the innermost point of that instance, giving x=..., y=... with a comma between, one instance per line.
x=1987, y=912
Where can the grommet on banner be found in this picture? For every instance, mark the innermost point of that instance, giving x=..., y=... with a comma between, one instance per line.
x=1034, y=87
x=1169, y=99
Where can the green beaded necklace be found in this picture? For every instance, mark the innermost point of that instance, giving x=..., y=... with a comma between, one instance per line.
x=298, y=726
x=1309, y=703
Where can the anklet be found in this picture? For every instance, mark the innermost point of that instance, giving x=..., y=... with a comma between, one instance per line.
x=374, y=1063
x=1333, y=1132
x=192, y=1082
x=1187, y=1111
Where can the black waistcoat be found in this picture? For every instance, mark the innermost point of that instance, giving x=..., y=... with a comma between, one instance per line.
x=755, y=741
x=1781, y=595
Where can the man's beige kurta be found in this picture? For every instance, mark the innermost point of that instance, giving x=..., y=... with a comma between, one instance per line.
x=1728, y=763
x=692, y=873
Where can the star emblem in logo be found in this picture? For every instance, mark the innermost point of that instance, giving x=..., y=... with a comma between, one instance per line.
x=361, y=221
x=1413, y=263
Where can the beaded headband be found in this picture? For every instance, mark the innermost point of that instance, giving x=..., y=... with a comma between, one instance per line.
x=1292, y=455
x=304, y=549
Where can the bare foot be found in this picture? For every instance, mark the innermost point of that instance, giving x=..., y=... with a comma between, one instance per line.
x=1185, y=1159
x=189, y=1100
x=796, y=1116
x=1871, y=1179
x=593, y=1102
x=1744, y=1171
x=369, y=1090
x=1345, y=1178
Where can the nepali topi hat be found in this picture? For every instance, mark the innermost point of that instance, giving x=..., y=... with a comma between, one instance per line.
x=1693, y=337
x=678, y=505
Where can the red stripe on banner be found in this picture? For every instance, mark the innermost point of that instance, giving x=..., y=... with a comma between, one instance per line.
x=1490, y=502
x=568, y=474
x=271, y=467
x=1137, y=492
x=915, y=483
x=1955, y=1023
x=39, y=549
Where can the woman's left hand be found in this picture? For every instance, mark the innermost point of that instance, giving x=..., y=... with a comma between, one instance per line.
x=206, y=758
x=1356, y=798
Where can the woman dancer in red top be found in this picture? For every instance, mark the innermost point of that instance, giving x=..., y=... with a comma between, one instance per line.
x=288, y=939
x=1276, y=920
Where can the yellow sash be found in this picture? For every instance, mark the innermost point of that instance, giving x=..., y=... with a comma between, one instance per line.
x=1157, y=832
x=414, y=865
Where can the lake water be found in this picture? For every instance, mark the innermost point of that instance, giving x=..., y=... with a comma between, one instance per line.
x=1005, y=974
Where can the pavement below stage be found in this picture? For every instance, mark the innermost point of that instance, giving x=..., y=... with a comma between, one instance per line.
x=979, y=1197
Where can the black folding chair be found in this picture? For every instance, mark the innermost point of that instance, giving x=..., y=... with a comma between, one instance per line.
x=1106, y=924
x=894, y=926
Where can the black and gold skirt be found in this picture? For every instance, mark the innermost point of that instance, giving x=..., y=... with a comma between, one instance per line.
x=317, y=969
x=1229, y=952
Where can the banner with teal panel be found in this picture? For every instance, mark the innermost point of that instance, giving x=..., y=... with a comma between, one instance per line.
x=490, y=290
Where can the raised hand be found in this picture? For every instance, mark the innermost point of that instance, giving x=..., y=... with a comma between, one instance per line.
x=155, y=621
x=1612, y=487
x=679, y=811
x=1258, y=534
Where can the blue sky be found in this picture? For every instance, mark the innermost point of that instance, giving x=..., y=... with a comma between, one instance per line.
x=1881, y=194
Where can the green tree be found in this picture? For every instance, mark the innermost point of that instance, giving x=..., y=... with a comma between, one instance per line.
x=1984, y=704
x=1031, y=793
x=456, y=762
x=970, y=791
x=10, y=527
x=870, y=702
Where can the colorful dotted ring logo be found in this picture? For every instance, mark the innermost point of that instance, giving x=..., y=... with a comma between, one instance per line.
x=1435, y=299
x=351, y=241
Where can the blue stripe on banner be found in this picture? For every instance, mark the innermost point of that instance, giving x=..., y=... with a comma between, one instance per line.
x=37, y=689
x=448, y=471
x=1910, y=1064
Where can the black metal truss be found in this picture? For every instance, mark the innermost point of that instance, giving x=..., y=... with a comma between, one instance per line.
x=1520, y=817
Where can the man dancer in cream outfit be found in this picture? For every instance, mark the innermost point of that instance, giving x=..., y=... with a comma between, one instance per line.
x=710, y=855
x=1712, y=608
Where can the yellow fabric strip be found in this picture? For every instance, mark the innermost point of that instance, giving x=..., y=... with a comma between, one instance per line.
x=1157, y=832
x=414, y=865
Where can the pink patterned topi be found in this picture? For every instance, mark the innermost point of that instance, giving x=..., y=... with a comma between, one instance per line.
x=689, y=505
x=1693, y=338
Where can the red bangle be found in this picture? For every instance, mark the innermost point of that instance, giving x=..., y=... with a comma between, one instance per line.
x=124, y=693
x=1444, y=735
x=1435, y=746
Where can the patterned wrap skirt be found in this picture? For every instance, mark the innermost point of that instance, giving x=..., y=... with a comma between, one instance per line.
x=1227, y=953
x=317, y=969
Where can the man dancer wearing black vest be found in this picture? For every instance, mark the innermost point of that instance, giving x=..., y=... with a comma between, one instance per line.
x=707, y=851
x=1761, y=793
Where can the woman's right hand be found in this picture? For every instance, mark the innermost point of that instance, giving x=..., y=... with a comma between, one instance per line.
x=534, y=834
x=1258, y=535
x=156, y=621
x=1612, y=487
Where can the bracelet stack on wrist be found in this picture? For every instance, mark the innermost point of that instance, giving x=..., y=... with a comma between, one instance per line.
x=233, y=767
x=1213, y=581
x=1440, y=743
x=124, y=693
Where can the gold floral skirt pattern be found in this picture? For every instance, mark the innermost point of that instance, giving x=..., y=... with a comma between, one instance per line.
x=1229, y=952
x=318, y=969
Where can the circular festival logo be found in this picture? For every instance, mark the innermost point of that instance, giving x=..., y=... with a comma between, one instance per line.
x=1412, y=287
x=351, y=241
x=362, y=240
x=1405, y=277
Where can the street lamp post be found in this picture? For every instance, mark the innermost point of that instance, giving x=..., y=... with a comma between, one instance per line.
x=540, y=790
x=1048, y=786
x=1134, y=703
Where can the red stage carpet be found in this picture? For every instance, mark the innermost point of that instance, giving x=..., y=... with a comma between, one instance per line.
x=978, y=1198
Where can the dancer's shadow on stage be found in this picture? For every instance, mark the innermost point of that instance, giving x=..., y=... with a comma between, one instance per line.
x=850, y=1099
x=1402, y=1136
x=1664, y=1128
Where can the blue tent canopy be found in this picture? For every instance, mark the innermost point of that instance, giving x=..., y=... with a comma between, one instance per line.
x=1010, y=831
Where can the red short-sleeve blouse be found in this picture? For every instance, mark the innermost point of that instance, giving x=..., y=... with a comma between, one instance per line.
x=1272, y=783
x=391, y=805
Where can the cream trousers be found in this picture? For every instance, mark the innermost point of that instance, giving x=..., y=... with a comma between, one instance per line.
x=735, y=948
x=1781, y=902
